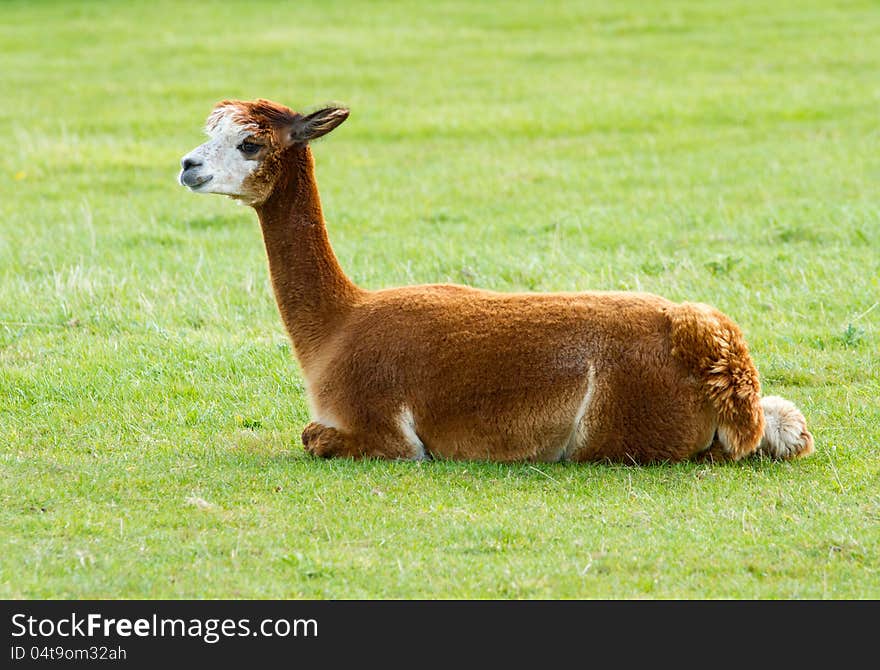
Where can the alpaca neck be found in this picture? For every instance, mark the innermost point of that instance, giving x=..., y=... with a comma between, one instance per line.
x=310, y=287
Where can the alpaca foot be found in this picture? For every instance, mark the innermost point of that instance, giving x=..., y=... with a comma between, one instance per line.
x=785, y=430
x=716, y=453
x=324, y=442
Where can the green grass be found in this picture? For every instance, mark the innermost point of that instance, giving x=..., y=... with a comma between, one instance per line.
x=150, y=408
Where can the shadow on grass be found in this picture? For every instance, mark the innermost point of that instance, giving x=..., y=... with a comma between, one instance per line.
x=293, y=458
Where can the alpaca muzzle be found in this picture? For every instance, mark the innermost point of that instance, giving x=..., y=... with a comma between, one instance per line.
x=192, y=179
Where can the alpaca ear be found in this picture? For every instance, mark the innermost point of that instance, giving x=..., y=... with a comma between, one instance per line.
x=316, y=124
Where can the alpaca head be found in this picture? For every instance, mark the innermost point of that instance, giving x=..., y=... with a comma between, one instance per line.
x=249, y=145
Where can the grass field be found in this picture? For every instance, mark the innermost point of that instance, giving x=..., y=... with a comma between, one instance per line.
x=150, y=407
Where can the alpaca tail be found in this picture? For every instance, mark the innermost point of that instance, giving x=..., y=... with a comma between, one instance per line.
x=712, y=346
x=785, y=430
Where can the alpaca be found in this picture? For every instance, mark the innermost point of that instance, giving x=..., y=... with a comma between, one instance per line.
x=453, y=372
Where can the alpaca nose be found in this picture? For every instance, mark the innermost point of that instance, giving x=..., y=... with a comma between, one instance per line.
x=188, y=163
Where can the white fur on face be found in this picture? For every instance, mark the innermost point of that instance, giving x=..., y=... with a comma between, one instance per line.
x=219, y=167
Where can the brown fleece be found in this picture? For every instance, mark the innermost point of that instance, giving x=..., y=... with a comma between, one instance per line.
x=455, y=372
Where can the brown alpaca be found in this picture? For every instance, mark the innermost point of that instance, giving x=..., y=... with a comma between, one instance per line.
x=454, y=372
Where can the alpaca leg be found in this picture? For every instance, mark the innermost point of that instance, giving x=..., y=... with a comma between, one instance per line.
x=326, y=442
x=716, y=453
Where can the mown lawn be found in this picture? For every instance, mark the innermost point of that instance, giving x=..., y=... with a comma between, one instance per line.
x=150, y=408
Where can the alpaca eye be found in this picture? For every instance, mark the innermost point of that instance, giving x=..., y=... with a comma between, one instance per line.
x=248, y=148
